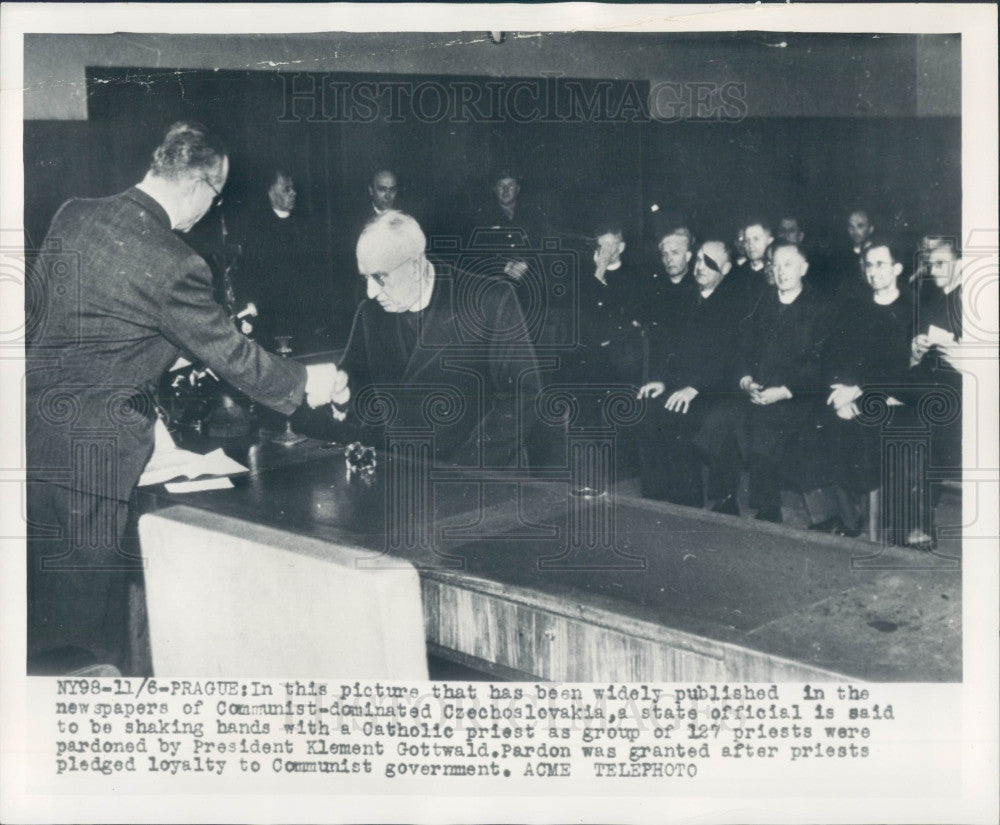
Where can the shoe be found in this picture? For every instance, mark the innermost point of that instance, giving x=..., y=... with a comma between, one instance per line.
x=830, y=525
x=771, y=514
x=919, y=540
x=727, y=506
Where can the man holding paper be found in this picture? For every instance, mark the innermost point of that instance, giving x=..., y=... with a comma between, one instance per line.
x=934, y=374
x=115, y=298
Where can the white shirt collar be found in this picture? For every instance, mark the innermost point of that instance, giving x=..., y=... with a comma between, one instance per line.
x=882, y=300
x=425, y=294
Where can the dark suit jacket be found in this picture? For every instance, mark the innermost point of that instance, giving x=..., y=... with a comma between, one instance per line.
x=115, y=298
x=463, y=368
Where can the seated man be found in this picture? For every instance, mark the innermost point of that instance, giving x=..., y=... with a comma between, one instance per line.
x=429, y=332
x=381, y=195
x=611, y=351
x=867, y=352
x=670, y=283
x=500, y=237
x=934, y=353
x=695, y=369
x=844, y=273
x=752, y=275
x=790, y=229
x=779, y=369
x=610, y=312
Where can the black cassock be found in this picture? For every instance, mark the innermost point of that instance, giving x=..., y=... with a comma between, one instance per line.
x=779, y=346
x=462, y=371
x=278, y=272
x=869, y=348
x=697, y=348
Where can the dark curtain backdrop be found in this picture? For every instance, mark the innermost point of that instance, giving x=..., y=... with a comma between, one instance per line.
x=907, y=170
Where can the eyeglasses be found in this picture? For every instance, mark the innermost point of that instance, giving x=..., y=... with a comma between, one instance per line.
x=217, y=200
x=381, y=277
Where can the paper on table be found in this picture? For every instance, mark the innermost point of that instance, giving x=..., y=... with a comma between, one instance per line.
x=196, y=486
x=170, y=461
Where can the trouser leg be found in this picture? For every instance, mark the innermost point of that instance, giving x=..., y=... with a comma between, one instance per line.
x=765, y=488
x=79, y=570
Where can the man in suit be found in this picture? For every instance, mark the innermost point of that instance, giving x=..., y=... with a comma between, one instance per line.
x=611, y=311
x=118, y=297
x=431, y=332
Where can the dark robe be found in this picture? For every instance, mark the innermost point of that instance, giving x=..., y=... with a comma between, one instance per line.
x=780, y=346
x=869, y=347
x=610, y=329
x=663, y=309
x=933, y=376
x=278, y=272
x=699, y=352
x=749, y=281
x=476, y=358
x=842, y=275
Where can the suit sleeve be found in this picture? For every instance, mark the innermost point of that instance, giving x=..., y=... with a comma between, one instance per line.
x=193, y=321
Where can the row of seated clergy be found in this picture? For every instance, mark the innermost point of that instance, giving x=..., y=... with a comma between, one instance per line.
x=751, y=389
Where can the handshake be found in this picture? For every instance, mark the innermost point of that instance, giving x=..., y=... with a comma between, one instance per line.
x=325, y=384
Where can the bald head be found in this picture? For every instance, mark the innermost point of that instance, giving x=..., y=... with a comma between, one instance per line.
x=383, y=189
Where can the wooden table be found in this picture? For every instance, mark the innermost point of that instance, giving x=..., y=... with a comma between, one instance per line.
x=523, y=579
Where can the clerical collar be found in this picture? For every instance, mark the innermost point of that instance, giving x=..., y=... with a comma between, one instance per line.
x=281, y=213
x=707, y=293
x=425, y=294
x=885, y=301
x=787, y=297
x=757, y=266
x=953, y=286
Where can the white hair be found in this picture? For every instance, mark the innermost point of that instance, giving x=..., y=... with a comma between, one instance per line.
x=389, y=240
